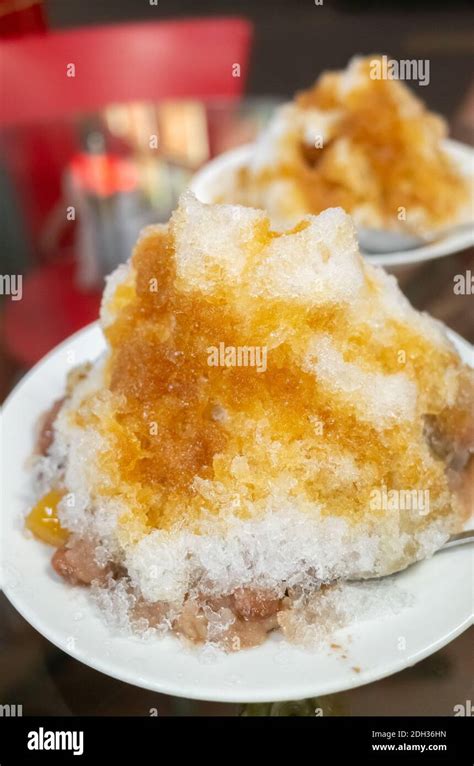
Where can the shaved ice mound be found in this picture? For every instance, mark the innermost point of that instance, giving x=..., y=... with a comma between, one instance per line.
x=207, y=494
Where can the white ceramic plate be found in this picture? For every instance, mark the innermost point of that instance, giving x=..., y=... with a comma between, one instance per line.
x=441, y=591
x=217, y=176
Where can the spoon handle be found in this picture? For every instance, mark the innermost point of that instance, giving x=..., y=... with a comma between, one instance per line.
x=460, y=539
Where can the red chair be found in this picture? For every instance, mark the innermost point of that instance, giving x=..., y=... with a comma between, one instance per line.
x=111, y=64
x=142, y=61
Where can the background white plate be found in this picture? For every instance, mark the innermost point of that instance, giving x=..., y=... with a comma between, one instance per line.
x=441, y=589
x=217, y=175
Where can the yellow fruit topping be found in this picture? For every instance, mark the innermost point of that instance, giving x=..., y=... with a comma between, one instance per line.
x=43, y=521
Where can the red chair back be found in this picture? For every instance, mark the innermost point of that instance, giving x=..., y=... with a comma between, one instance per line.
x=63, y=73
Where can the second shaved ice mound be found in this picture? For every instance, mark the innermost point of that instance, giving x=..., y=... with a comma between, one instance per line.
x=220, y=501
x=366, y=144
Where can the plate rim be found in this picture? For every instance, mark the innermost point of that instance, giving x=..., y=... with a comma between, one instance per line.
x=303, y=691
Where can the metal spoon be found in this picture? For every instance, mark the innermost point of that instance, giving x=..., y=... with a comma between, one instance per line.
x=462, y=538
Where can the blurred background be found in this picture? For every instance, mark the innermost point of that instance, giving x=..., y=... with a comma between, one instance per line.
x=106, y=111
